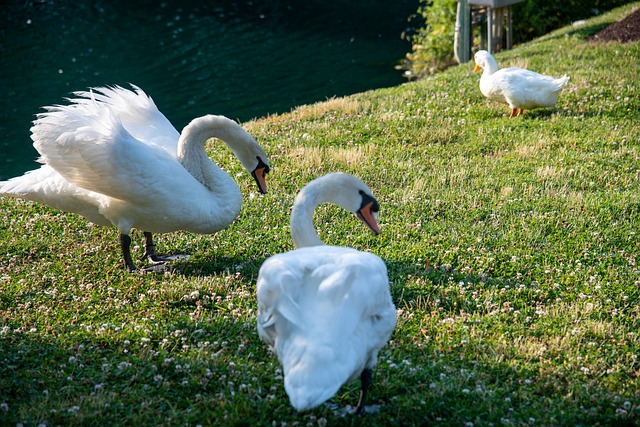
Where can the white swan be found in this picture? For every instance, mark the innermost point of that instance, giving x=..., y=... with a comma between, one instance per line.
x=113, y=158
x=517, y=87
x=325, y=311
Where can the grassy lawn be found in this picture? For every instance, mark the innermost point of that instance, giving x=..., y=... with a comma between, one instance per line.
x=512, y=247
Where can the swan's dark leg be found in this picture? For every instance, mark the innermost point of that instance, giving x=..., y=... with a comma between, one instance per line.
x=365, y=380
x=150, y=249
x=125, y=244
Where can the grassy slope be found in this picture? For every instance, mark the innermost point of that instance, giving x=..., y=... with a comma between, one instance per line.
x=511, y=247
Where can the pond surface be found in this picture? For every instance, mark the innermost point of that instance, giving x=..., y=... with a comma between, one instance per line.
x=243, y=59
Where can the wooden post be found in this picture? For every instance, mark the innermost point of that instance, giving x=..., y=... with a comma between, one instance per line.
x=490, y=46
x=509, y=27
x=462, y=37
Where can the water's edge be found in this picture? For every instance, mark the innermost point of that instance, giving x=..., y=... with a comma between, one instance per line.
x=242, y=59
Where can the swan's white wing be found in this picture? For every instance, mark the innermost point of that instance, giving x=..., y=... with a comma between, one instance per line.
x=138, y=114
x=325, y=311
x=88, y=145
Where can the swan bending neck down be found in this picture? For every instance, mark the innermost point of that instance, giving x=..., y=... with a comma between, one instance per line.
x=112, y=157
x=331, y=188
x=325, y=311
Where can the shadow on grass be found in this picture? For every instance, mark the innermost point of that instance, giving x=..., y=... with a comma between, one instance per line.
x=456, y=384
x=247, y=267
x=114, y=377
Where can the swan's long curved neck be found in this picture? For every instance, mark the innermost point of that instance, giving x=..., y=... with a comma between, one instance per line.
x=303, y=231
x=191, y=153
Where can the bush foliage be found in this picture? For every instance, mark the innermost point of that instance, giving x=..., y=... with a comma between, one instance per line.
x=432, y=44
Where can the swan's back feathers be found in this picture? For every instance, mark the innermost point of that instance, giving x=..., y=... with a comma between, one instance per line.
x=326, y=312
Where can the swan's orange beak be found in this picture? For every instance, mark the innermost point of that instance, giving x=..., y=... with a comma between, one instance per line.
x=367, y=214
x=260, y=174
x=477, y=68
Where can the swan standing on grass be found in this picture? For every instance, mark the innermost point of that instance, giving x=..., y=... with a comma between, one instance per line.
x=517, y=87
x=325, y=311
x=113, y=158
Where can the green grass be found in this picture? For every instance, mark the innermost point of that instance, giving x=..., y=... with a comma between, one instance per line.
x=511, y=245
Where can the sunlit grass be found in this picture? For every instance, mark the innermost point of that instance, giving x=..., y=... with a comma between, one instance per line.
x=511, y=246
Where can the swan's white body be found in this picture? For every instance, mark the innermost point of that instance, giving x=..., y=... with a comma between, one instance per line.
x=113, y=158
x=325, y=311
x=519, y=88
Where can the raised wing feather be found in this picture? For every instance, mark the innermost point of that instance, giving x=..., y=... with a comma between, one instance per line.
x=88, y=145
x=138, y=114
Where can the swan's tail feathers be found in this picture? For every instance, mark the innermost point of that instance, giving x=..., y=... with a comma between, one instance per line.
x=561, y=82
x=314, y=373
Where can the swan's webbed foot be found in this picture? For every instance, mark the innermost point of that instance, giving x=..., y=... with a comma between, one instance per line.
x=157, y=261
x=158, y=267
x=151, y=255
x=365, y=380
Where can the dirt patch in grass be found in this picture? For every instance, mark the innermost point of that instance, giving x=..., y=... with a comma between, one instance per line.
x=627, y=30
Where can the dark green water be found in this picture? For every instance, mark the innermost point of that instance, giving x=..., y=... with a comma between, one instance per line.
x=242, y=59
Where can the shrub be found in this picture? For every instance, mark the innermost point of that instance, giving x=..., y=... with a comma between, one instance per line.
x=432, y=45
